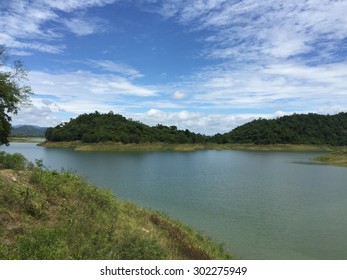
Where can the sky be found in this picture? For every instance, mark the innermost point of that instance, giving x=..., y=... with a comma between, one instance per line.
x=203, y=65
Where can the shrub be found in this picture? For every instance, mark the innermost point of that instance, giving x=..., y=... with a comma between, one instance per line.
x=14, y=161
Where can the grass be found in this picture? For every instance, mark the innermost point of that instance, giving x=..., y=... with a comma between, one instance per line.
x=26, y=139
x=119, y=147
x=147, y=147
x=338, y=157
x=58, y=215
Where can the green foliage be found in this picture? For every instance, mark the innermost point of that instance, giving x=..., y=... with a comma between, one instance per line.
x=338, y=157
x=12, y=93
x=14, y=161
x=311, y=129
x=96, y=127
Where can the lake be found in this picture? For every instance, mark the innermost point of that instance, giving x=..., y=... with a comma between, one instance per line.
x=260, y=205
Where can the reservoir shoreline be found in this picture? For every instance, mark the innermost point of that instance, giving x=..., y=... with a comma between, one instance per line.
x=247, y=200
x=119, y=147
x=335, y=155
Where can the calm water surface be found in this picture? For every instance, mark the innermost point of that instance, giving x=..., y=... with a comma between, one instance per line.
x=260, y=205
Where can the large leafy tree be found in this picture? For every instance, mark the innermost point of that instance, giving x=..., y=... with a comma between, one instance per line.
x=12, y=92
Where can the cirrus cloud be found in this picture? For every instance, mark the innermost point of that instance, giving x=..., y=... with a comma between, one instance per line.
x=39, y=21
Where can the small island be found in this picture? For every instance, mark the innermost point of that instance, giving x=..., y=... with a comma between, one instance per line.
x=114, y=133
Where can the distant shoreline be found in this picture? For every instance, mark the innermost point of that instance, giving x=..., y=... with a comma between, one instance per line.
x=119, y=147
x=26, y=139
x=336, y=155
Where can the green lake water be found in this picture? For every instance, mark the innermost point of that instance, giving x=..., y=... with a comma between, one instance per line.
x=260, y=205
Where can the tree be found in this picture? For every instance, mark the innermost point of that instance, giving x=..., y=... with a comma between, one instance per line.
x=12, y=93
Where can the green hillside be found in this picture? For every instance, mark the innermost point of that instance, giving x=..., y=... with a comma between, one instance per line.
x=308, y=129
x=96, y=127
x=28, y=131
x=311, y=129
x=49, y=215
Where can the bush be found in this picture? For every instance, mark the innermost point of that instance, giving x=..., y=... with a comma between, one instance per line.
x=14, y=161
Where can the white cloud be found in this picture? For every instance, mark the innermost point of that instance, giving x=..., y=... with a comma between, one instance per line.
x=78, y=92
x=283, y=46
x=251, y=29
x=205, y=123
x=59, y=96
x=41, y=112
x=271, y=87
x=33, y=25
x=80, y=26
x=19, y=46
x=70, y=5
x=22, y=19
x=179, y=94
x=116, y=67
x=83, y=83
x=331, y=74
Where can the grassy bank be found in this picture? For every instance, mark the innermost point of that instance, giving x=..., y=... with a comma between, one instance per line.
x=338, y=157
x=49, y=215
x=147, y=147
x=26, y=139
x=118, y=147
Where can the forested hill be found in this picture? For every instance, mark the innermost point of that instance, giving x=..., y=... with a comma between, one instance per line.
x=28, y=131
x=295, y=129
x=96, y=127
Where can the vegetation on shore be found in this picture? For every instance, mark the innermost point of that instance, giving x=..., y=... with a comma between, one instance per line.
x=297, y=129
x=148, y=147
x=97, y=127
x=26, y=139
x=338, y=157
x=307, y=129
x=50, y=215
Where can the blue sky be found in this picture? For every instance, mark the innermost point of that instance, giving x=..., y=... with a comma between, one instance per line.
x=203, y=65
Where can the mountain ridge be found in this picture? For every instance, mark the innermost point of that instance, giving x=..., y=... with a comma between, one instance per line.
x=28, y=131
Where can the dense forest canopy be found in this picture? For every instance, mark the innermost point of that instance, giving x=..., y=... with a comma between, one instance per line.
x=96, y=127
x=295, y=129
